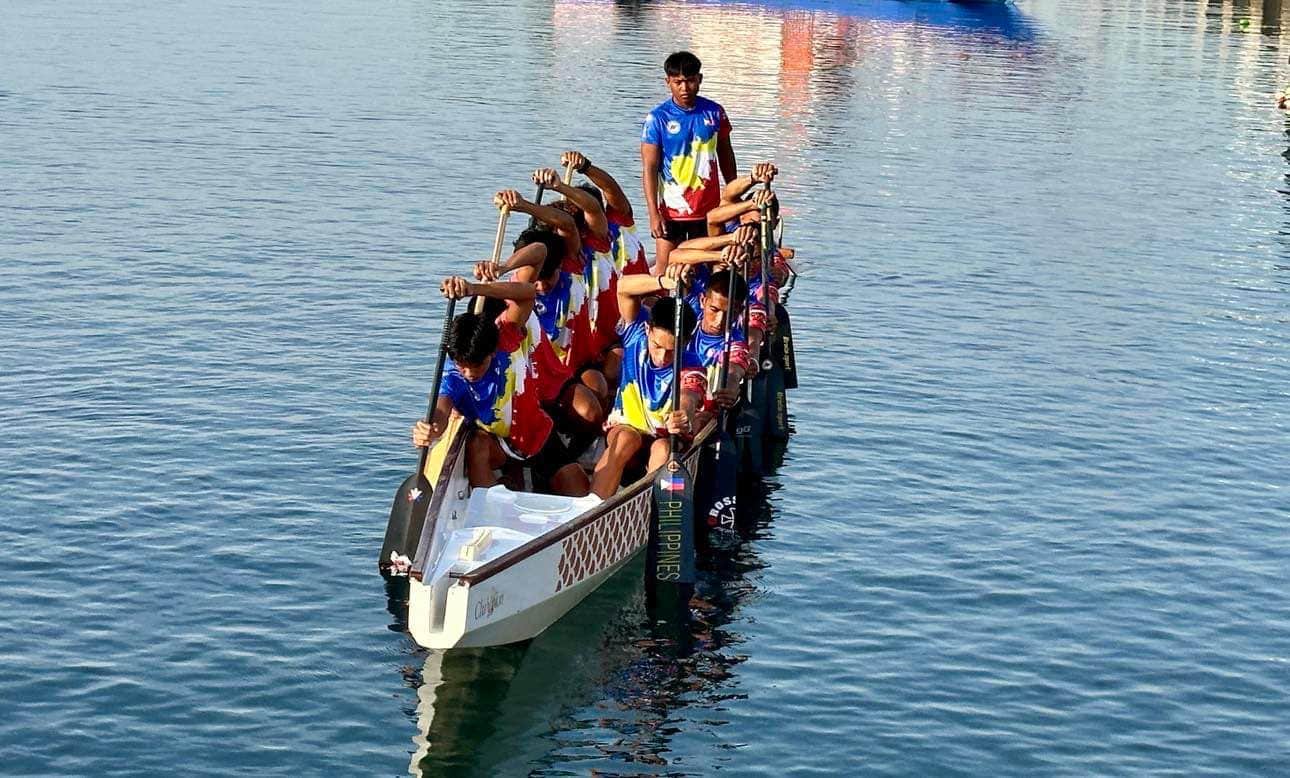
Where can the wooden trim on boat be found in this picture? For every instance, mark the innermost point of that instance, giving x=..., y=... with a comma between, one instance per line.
x=520, y=553
x=436, y=500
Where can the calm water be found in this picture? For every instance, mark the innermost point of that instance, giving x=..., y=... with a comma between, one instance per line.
x=1034, y=520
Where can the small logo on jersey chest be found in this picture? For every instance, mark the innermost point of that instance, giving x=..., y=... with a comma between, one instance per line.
x=673, y=127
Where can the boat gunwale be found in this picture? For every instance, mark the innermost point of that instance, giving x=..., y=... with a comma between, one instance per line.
x=547, y=539
x=431, y=520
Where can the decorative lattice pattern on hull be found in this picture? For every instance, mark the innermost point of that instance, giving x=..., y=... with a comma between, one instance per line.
x=605, y=541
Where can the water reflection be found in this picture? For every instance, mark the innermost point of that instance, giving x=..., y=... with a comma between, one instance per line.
x=601, y=689
x=800, y=76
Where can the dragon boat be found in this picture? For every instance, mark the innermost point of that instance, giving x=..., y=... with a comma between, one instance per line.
x=494, y=565
x=497, y=565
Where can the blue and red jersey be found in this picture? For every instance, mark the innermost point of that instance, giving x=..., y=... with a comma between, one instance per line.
x=601, y=277
x=707, y=351
x=645, y=390
x=627, y=249
x=507, y=400
x=690, y=186
x=562, y=312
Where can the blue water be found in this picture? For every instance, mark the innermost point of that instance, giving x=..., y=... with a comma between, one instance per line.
x=1034, y=518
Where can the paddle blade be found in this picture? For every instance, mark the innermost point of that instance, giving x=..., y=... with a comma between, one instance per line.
x=748, y=433
x=782, y=347
x=719, y=513
x=403, y=533
x=673, y=537
x=775, y=410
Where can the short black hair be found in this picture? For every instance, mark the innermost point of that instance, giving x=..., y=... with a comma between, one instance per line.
x=682, y=63
x=472, y=338
x=594, y=192
x=663, y=314
x=721, y=283
x=571, y=208
x=555, y=248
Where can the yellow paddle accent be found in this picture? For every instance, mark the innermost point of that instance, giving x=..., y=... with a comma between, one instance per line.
x=439, y=450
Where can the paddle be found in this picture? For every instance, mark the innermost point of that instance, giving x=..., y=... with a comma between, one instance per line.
x=785, y=351
x=403, y=533
x=414, y=493
x=537, y=200
x=720, y=507
x=673, y=551
x=748, y=424
x=774, y=397
x=497, y=246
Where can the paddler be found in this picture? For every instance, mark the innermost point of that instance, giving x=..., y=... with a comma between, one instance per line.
x=599, y=274
x=492, y=378
x=738, y=247
x=627, y=250
x=724, y=296
x=626, y=253
x=641, y=418
x=561, y=306
x=683, y=142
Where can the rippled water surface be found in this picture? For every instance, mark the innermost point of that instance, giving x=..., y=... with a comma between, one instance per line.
x=1034, y=518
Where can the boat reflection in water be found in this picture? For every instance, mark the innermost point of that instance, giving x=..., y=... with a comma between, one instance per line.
x=600, y=689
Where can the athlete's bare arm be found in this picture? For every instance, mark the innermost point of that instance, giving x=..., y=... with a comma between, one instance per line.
x=615, y=197
x=597, y=224
x=556, y=219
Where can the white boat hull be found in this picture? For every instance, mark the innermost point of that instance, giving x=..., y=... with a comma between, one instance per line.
x=500, y=566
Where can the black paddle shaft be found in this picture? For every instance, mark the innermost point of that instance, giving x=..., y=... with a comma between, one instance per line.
x=767, y=255
x=537, y=200
x=725, y=332
x=438, y=377
x=402, y=532
x=678, y=352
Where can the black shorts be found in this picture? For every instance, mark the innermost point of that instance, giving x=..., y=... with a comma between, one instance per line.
x=553, y=455
x=678, y=231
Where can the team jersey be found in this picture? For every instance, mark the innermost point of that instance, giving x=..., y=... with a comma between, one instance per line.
x=628, y=251
x=601, y=277
x=688, y=170
x=562, y=312
x=698, y=285
x=707, y=350
x=645, y=390
x=507, y=400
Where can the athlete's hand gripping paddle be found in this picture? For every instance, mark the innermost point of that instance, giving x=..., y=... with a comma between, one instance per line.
x=771, y=392
x=407, y=514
